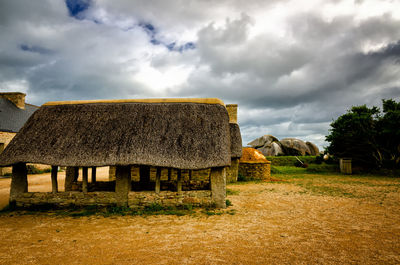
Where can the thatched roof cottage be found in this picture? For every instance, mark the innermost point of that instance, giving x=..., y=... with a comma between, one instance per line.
x=168, y=134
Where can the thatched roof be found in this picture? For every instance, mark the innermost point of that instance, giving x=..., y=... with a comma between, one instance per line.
x=236, y=140
x=251, y=155
x=187, y=135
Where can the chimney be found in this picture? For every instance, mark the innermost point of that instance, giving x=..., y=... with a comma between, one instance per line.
x=232, y=112
x=17, y=98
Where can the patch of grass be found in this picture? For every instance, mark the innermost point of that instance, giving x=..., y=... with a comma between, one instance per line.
x=34, y=170
x=324, y=190
x=232, y=192
x=228, y=203
x=289, y=160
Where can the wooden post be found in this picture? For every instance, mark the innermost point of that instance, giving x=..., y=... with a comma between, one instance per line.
x=84, y=179
x=179, y=182
x=93, y=174
x=54, y=184
x=158, y=180
x=345, y=165
x=122, y=184
x=218, y=186
x=19, y=181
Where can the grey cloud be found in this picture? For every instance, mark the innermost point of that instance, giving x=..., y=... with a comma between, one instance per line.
x=286, y=86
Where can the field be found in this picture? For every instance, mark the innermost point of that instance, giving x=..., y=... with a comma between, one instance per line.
x=303, y=218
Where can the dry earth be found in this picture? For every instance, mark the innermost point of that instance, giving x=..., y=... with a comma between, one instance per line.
x=310, y=220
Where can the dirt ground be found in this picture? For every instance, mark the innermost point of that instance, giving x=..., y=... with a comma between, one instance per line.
x=304, y=220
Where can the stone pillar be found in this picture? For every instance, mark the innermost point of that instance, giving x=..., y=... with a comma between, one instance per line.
x=1, y=150
x=54, y=184
x=169, y=174
x=218, y=186
x=233, y=171
x=122, y=184
x=179, y=182
x=158, y=180
x=111, y=173
x=19, y=181
x=84, y=179
x=93, y=174
x=71, y=176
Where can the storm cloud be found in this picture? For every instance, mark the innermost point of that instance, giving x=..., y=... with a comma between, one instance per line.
x=291, y=68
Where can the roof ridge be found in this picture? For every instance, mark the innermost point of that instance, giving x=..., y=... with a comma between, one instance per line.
x=148, y=100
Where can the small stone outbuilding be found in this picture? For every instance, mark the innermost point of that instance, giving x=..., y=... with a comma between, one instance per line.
x=186, y=140
x=14, y=112
x=253, y=165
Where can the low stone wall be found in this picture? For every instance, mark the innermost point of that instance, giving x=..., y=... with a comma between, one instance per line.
x=255, y=171
x=135, y=199
x=169, y=198
x=65, y=199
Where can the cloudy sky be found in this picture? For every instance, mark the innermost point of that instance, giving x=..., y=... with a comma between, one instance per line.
x=292, y=66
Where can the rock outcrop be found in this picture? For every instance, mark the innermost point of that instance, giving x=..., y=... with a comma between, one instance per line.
x=268, y=145
x=271, y=146
x=295, y=147
x=314, y=151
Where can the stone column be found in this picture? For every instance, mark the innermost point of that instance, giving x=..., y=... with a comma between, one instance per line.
x=158, y=180
x=179, y=182
x=1, y=150
x=232, y=171
x=54, y=184
x=84, y=179
x=93, y=174
x=70, y=177
x=218, y=186
x=122, y=184
x=19, y=181
x=111, y=173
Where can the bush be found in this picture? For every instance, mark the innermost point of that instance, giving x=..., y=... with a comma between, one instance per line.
x=241, y=177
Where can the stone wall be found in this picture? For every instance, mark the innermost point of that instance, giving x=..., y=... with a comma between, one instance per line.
x=169, y=198
x=255, y=171
x=5, y=139
x=136, y=199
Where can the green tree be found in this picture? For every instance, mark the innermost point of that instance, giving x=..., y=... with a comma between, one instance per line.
x=354, y=135
x=389, y=132
x=367, y=135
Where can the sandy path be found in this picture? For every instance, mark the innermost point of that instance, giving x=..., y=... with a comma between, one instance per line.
x=273, y=224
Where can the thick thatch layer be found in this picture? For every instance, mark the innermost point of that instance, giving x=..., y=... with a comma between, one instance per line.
x=236, y=140
x=179, y=135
